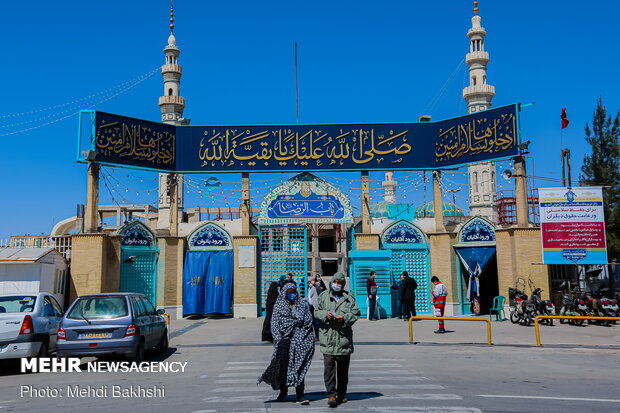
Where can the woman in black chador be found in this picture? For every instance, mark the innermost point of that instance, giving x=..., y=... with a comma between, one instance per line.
x=272, y=296
x=293, y=348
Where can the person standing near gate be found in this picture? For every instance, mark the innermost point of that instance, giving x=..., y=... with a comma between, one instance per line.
x=440, y=292
x=407, y=295
x=313, y=298
x=399, y=287
x=293, y=348
x=371, y=289
x=338, y=311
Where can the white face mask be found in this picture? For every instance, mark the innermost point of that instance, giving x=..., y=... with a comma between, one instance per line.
x=337, y=287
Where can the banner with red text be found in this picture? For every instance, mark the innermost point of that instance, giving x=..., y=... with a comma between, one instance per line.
x=572, y=225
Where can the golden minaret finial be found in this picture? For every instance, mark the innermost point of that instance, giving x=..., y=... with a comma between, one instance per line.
x=171, y=16
x=475, y=7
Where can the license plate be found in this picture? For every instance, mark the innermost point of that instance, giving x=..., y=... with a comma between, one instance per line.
x=84, y=336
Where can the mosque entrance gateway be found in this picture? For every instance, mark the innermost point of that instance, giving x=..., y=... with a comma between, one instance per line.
x=138, y=260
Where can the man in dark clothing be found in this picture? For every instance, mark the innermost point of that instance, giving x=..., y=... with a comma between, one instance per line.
x=407, y=295
x=371, y=289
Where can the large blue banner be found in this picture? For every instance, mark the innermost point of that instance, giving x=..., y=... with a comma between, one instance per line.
x=480, y=136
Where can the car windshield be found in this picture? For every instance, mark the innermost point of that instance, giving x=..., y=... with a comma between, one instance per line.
x=99, y=307
x=17, y=304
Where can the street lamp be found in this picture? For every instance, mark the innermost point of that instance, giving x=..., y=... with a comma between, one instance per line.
x=453, y=191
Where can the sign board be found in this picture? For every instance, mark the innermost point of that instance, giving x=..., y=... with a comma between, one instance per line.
x=572, y=225
x=134, y=143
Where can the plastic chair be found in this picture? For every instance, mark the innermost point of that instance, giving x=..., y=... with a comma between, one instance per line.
x=377, y=309
x=498, y=308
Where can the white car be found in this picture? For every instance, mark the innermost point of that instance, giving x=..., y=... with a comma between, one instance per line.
x=28, y=324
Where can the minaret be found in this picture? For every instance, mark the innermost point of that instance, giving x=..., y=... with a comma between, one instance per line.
x=389, y=188
x=171, y=105
x=479, y=94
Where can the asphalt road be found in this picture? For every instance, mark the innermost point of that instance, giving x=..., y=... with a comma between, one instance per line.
x=576, y=370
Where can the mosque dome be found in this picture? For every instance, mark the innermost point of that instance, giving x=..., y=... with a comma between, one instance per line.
x=384, y=209
x=449, y=210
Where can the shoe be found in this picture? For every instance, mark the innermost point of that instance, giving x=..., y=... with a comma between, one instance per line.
x=342, y=400
x=332, y=402
x=303, y=401
x=282, y=396
x=316, y=339
x=440, y=331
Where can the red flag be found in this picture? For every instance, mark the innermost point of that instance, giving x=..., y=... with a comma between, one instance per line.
x=565, y=121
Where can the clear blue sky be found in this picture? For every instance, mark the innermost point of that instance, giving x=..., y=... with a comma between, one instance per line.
x=360, y=61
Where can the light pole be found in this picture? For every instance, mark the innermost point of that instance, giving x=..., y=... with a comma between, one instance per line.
x=453, y=192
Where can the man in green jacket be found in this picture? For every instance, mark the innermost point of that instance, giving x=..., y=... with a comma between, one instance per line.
x=337, y=311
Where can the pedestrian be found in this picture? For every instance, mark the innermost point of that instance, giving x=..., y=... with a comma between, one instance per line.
x=398, y=287
x=371, y=289
x=440, y=292
x=407, y=295
x=319, y=284
x=289, y=278
x=272, y=296
x=313, y=298
x=293, y=344
x=338, y=311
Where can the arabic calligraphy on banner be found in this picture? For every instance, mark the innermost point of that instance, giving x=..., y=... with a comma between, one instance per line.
x=402, y=234
x=209, y=237
x=129, y=141
x=135, y=234
x=476, y=137
x=477, y=230
x=312, y=206
x=572, y=225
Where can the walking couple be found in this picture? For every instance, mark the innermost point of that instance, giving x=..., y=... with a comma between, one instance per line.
x=293, y=337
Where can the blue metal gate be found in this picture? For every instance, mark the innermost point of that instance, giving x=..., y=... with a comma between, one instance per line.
x=138, y=272
x=410, y=252
x=362, y=263
x=283, y=249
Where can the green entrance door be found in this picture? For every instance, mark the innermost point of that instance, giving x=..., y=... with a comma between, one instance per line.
x=138, y=260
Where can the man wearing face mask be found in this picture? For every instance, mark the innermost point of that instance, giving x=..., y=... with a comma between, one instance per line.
x=338, y=311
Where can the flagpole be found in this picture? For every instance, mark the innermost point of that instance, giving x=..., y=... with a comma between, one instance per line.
x=296, y=87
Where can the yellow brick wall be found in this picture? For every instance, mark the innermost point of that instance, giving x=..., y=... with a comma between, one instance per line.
x=443, y=262
x=171, y=252
x=367, y=242
x=87, y=264
x=112, y=279
x=245, y=279
x=519, y=255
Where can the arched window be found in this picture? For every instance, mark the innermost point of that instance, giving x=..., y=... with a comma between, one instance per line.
x=170, y=92
x=475, y=181
x=484, y=79
x=473, y=80
x=485, y=181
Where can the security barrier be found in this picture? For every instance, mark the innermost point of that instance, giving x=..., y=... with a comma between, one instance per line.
x=167, y=318
x=564, y=317
x=451, y=319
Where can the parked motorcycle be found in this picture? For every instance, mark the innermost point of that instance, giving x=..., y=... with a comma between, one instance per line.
x=517, y=309
x=543, y=307
x=572, y=306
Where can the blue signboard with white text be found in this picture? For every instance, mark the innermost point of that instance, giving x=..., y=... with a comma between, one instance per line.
x=134, y=143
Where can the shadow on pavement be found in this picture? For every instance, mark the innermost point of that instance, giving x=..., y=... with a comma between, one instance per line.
x=317, y=396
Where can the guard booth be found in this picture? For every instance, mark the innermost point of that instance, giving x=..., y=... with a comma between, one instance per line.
x=208, y=271
x=410, y=249
x=283, y=250
x=477, y=272
x=138, y=260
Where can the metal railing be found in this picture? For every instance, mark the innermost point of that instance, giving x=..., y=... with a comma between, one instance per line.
x=489, y=342
x=62, y=243
x=565, y=317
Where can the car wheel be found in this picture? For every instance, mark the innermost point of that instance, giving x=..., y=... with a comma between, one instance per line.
x=44, y=350
x=139, y=354
x=162, y=347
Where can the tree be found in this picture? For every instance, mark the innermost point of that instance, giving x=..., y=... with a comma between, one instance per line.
x=602, y=168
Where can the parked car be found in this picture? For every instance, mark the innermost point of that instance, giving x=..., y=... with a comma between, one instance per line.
x=112, y=324
x=28, y=324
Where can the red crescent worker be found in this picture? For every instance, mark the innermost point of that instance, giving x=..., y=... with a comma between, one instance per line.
x=440, y=292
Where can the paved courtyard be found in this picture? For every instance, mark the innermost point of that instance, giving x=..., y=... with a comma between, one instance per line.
x=576, y=369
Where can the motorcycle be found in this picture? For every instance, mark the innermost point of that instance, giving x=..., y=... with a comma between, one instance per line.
x=609, y=307
x=572, y=306
x=516, y=310
x=543, y=307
